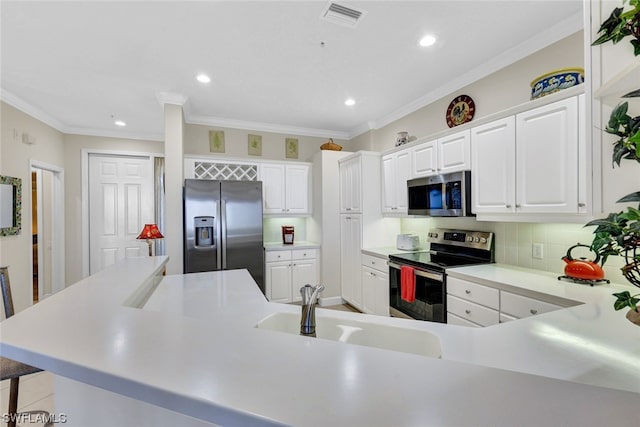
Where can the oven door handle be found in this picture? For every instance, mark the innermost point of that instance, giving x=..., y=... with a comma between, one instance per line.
x=418, y=272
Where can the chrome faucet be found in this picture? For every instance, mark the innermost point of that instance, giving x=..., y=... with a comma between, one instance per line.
x=309, y=298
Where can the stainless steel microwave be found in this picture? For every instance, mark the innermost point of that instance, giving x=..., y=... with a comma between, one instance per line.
x=440, y=195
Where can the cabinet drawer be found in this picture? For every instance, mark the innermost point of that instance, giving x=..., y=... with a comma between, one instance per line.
x=273, y=256
x=520, y=306
x=304, y=253
x=474, y=292
x=376, y=263
x=452, y=319
x=472, y=312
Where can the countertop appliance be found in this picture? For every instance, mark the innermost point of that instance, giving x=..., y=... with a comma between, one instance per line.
x=223, y=227
x=408, y=242
x=440, y=195
x=447, y=248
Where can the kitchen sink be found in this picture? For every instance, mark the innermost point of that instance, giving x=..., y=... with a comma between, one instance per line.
x=357, y=332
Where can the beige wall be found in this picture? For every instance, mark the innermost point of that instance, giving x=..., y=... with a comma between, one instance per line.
x=16, y=251
x=501, y=90
x=73, y=146
x=236, y=143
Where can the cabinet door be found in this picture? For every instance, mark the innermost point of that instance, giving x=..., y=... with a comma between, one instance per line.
x=494, y=166
x=454, y=152
x=381, y=306
x=273, y=188
x=278, y=281
x=303, y=273
x=350, y=245
x=547, y=158
x=297, y=189
x=389, y=189
x=424, y=159
x=368, y=290
x=403, y=173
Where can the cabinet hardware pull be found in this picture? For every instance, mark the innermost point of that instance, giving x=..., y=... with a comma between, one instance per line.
x=518, y=206
x=582, y=205
x=468, y=311
x=508, y=206
x=467, y=291
x=533, y=311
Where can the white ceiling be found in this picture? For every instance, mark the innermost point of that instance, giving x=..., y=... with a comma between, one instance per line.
x=76, y=64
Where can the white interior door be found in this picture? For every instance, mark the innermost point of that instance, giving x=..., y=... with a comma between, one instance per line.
x=120, y=203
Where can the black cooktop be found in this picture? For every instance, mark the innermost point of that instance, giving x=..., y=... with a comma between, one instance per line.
x=436, y=261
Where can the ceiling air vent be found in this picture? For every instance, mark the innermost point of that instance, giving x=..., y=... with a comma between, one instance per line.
x=343, y=15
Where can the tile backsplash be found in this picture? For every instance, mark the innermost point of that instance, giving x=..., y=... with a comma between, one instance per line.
x=272, y=229
x=514, y=241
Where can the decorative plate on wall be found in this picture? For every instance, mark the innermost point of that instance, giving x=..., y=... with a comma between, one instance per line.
x=461, y=110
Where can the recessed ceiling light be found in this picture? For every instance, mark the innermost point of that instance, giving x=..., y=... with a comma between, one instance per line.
x=350, y=102
x=427, y=40
x=119, y=123
x=203, y=78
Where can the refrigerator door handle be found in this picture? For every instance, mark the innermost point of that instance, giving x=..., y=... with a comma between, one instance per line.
x=217, y=234
x=223, y=232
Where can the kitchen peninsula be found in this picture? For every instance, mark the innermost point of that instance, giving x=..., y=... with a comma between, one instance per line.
x=185, y=351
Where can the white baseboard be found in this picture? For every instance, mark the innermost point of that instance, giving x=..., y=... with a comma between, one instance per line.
x=323, y=302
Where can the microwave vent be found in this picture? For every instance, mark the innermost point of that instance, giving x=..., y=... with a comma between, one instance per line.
x=343, y=15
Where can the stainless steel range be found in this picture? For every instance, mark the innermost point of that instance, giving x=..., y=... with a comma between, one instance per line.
x=417, y=280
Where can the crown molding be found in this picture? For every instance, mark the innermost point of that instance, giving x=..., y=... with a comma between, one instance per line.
x=32, y=111
x=551, y=35
x=266, y=127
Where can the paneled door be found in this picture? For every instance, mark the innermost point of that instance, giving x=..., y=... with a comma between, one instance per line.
x=120, y=203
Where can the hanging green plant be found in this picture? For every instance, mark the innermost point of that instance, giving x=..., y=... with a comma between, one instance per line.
x=622, y=24
x=627, y=129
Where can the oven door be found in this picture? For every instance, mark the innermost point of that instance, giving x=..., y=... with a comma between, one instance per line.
x=430, y=295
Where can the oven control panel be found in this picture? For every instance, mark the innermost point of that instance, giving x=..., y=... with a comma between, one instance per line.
x=471, y=239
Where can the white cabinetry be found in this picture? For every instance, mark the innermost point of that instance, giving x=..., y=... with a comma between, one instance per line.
x=285, y=188
x=350, y=246
x=473, y=304
x=361, y=221
x=529, y=163
x=450, y=153
x=375, y=285
x=287, y=271
x=396, y=170
x=351, y=185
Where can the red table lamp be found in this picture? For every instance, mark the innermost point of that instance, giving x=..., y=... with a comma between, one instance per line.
x=150, y=232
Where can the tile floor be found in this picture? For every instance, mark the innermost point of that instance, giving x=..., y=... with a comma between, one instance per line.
x=35, y=392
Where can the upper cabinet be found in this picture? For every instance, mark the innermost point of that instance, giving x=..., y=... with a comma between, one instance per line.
x=285, y=188
x=396, y=170
x=532, y=162
x=451, y=153
x=351, y=185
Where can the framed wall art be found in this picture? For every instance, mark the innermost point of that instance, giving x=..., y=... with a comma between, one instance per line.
x=216, y=141
x=291, y=148
x=255, y=145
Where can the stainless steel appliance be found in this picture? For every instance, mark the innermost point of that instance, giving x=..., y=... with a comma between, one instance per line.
x=440, y=195
x=448, y=248
x=223, y=227
x=407, y=242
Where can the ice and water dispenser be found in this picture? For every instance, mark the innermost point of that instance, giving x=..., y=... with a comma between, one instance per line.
x=204, y=226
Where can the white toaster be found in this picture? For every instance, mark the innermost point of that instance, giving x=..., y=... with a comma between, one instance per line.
x=408, y=242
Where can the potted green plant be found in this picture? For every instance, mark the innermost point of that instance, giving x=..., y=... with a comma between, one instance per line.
x=619, y=233
x=622, y=24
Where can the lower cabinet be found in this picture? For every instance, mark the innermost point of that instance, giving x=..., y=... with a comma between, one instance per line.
x=375, y=286
x=473, y=304
x=287, y=271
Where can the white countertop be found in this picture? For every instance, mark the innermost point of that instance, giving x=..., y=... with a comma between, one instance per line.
x=194, y=349
x=384, y=252
x=279, y=246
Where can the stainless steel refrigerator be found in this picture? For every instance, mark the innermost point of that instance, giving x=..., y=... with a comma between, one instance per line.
x=223, y=227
